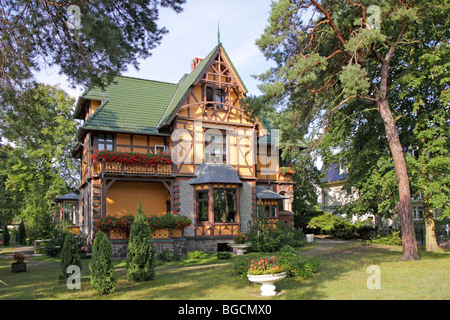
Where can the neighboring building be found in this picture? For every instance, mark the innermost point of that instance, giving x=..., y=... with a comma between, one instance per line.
x=334, y=193
x=218, y=173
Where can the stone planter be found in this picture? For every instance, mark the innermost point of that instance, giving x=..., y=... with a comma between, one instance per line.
x=267, y=282
x=18, y=267
x=240, y=248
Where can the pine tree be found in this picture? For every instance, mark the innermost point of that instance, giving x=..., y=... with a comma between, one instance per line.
x=103, y=278
x=69, y=256
x=140, y=254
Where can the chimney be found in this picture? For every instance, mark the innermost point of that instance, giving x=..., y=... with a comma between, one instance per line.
x=195, y=62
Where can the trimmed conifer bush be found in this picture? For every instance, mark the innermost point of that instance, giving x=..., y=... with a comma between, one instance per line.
x=103, y=277
x=6, y=236
x=140, y=261
x=22, y=234
x=69, y=256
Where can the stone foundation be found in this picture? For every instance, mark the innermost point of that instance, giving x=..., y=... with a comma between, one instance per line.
x=177, y=246
x=205, y=245
x=119, y=248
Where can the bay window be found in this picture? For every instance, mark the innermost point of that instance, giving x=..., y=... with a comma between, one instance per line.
x=216, y=205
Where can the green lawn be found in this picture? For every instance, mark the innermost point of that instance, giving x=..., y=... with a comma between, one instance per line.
x=342, y=275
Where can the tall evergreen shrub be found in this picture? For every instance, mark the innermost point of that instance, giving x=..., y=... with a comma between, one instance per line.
x=69, y=256
x=140, y=254
x=22, y=234
x=6, y=235
x=103, y=278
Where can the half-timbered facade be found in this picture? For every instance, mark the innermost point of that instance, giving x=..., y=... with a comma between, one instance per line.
x=223, y=164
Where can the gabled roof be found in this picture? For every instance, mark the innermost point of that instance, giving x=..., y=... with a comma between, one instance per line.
x=130, y=104
x=333, y=173
x=190, y=80
x=143, y=106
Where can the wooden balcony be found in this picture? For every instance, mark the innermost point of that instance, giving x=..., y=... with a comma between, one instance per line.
x=124, y=169
x=217, y=229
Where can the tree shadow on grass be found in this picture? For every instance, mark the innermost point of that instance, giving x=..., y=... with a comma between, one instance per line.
x=347, y=264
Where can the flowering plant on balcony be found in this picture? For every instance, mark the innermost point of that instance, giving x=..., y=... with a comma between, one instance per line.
x=265, y=266
x=132, y=158
x=115, y=224
x=286, y=170
x=123, y=224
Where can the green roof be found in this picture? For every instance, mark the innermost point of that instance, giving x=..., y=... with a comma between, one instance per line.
x=130, y=104
x=139, y=105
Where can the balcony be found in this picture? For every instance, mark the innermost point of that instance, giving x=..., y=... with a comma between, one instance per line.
x=129, y=163
x=135, y=169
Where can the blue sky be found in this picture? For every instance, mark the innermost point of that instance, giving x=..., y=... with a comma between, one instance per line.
x=193, y=32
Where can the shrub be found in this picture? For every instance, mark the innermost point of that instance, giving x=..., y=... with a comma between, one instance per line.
x=302, y=219
x=140, y=262
x=273, y=239
x=241, y=266
x=307, y=266
x=346, y=230
x=223, y=255
x=296, y=265
x=54, y=246
x=69, y=256
x=196, y=255
x=392, y=239
x=6, y=236
x=103, y=278
x=323, y=223
x=22, y=237
x=343, y=229
x=167, y=256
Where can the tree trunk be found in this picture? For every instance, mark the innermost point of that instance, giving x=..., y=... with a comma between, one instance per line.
x=430, y=226
x=404, y=206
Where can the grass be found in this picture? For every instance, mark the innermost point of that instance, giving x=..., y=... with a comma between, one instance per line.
x=342, y=275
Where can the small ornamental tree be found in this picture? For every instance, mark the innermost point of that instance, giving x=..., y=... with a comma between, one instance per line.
x=103, y=278
x=21, y=233
x=6, y=236
x=69, y=256
x=140, y=253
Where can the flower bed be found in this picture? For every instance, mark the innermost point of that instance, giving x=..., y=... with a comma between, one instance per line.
x=123, y=224
x=133, y=158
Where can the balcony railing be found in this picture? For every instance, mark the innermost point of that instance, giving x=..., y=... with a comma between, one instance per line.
x=135, y=169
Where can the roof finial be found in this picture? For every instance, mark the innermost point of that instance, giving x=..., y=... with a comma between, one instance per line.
x=218, y=33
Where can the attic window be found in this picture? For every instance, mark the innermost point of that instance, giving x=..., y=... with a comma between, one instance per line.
x=216, y=95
